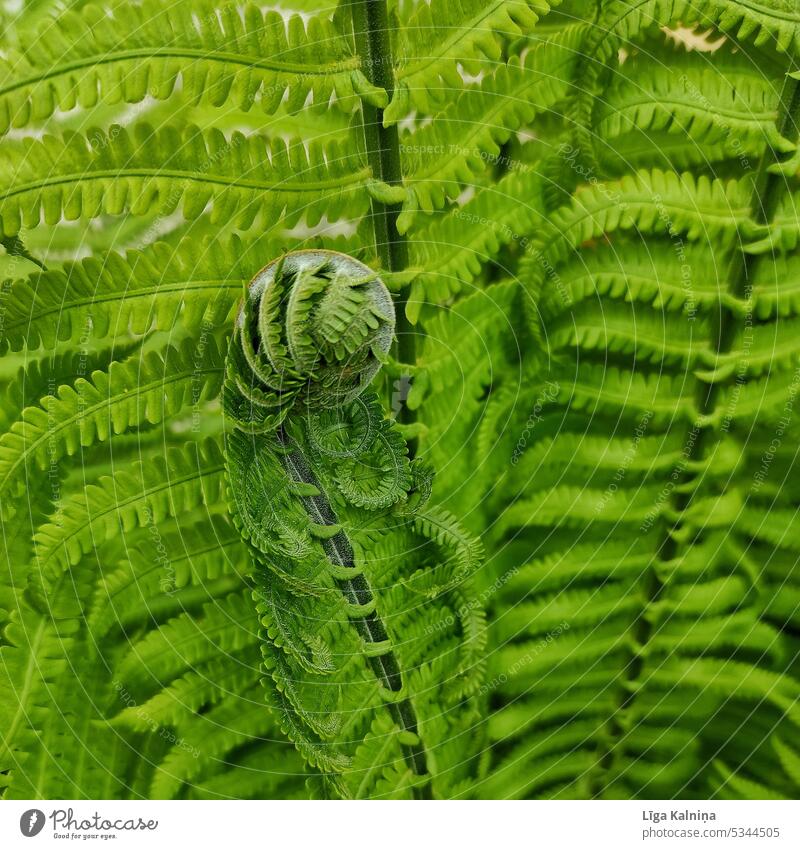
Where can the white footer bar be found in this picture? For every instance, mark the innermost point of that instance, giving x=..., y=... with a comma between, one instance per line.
x=402, y=825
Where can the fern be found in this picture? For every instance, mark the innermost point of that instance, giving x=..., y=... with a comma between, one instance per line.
x=330, y=337
x=683, y=593
x=129, y=394
x=353, y=649
x=221, y=57
x=436, y=38
x=160, y=170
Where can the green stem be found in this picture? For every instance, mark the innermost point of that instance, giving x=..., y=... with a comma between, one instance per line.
x=372, y=32
x=357, y=591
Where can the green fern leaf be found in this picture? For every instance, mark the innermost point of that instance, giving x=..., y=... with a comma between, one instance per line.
x=220, y=55
x=157, y=171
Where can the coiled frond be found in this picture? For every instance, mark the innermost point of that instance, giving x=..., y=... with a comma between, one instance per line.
x=324, y=493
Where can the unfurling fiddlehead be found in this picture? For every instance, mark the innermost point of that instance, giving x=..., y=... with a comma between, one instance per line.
x=372, y=635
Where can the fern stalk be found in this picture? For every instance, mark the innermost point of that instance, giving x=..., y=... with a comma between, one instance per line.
x=373, y=43
x=358, y=593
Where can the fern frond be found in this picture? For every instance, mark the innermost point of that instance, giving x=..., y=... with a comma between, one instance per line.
x=222, y=56
x=438, y=37
x=139, y=390
x=652, y=202
x=34, y=655
x=446, y=154
x=643, y=274
x=620, y=22
x=726, y=103
x=268, y=771
x=40, y=374
x=323, y=493
x=592, y=389
x=465, y=348
x=649, y=336
x=147, y=171
x=192, y=285
x=176, y=701
x=194, y=563
x=186, y=641
x=451, y=251
x=592, y=425
x=131, y=498
x=209, y=744
x=747, y=682
x=733, y=786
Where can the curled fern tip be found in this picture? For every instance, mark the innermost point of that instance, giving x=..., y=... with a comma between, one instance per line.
x=316, y=325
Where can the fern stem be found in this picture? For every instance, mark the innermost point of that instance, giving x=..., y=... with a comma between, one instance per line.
x=768, y=189
x=374, y=46
x=373, y=43
x=357, y=591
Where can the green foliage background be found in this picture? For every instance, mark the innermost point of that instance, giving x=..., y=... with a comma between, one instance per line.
x=586, y=216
